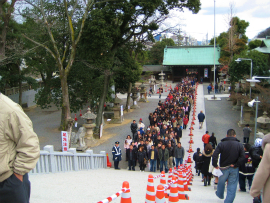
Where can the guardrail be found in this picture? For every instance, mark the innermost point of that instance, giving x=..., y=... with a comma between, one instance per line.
x=51, y=161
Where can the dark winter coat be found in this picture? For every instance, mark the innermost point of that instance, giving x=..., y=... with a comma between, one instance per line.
x=231, y=152
x=166, y=154
x=255, y=153
x=213, y=141
x=178, y=131
x=133, y=127
x=141, y=155
x=201, y=117
x=206, y=162
x=246, y=168
x=198, y=160
x=155, y=154
x=134, y=154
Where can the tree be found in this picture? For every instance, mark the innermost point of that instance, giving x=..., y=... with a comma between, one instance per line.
x=157, y=51
x=112, y=24
x=254, y=44
x=66, y=18
x=264, y=33
x=240, y=70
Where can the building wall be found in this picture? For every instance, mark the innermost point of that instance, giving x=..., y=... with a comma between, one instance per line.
x=28, y=97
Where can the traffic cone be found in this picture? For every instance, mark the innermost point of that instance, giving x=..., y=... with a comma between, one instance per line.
x=193, y=123
x=190, y=150
x=189, y=159
x=191, y=127
x=125, y=196
x=175, y=172
x=163, y=179
x=166, y=85
x=186, y=188
x=150, y=190
x=109, y=164
x=157, y=91
x=80, y=113
x=191, y=140
x=190, y=134
x=173, y=197
x=170, y=176
x=160, y=195
x=166, y=90
x=75, y=118
x=181, y=190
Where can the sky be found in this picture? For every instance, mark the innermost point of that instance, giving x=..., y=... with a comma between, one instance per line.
x=256, y=12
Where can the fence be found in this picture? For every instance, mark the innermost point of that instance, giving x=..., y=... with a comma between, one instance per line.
x=54, y=162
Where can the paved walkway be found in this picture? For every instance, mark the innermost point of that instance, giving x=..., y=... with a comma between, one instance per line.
x=95, y=185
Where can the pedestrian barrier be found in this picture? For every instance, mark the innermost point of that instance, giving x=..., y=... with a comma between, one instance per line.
x=160, y=195
x=51, y=161
x=189, y=159
x=163, y=179
x=191, y=140
x=181, y=190
x=173, y=197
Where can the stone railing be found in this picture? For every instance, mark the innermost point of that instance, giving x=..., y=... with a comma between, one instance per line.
x=51, y=161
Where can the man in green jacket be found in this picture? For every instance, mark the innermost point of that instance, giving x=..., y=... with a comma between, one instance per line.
x=19, y=152
x=163, y=155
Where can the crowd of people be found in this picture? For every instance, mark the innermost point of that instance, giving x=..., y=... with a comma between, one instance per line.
x=158, y=145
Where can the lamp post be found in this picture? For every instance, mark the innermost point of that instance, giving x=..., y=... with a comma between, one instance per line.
x=214, y=49
x=250, y=104
x=245, y=59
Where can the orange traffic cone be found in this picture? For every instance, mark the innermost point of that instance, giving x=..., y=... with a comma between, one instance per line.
x=125, y=197
x=190, y=150
x=76, y=119
x=163, y=179
x=189, y=159
x=157, y=91
x=150, y=190
x=181, y=190
x=173, y=197
x=193, y=123
x=166, y=85
x=190, y=134
x=109, y=164
x=191, y=127
x=191, y=140
x=166, y=90
x=80, y=113
x=186, y=188
x=160, y=196
x=170, y=176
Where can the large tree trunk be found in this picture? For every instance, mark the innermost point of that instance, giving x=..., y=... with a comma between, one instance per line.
x=3, y=41
x=65, y=102
x=128, y=95
x=101, y=103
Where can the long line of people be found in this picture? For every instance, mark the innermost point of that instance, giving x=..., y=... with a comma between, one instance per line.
x=157, y=146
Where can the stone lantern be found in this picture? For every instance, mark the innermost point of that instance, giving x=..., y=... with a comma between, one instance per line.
x=118, y=118
x=134, y=96
x=264, y=122
x=89, y=126
x=143, y=93
x=161, y=78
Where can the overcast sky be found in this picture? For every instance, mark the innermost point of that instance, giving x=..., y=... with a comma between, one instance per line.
x=256, y=12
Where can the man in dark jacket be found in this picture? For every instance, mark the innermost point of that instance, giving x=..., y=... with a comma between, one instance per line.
x=131, y=157
x=163, y=155
x=153, y=156
x=232, y=155
x=256, y=153
x=198, y=161
x=178, y=130
x=201, y=118
x=134, y=128
x=171, y=156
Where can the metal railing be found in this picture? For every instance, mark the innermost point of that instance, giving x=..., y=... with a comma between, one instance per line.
x=55, y=162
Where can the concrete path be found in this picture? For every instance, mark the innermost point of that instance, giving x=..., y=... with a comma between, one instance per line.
x=95, y=185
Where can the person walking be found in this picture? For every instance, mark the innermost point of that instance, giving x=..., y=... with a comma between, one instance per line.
x=232, y=155
x=197, y=157
x=246, y=170
x=209, y=88
x=179, y=154
x=153, y=155
x=131, y=157
x=201, y=118
x=141, y=156
x=117, y=155
x=205, y=138
x=246, y=131
x=262, y=177
x=19, y=152
x=213, y=141
x=163, y=155
x=206, y=157
x=134, y=129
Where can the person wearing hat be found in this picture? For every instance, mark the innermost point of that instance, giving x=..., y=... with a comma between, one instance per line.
x=117, y=155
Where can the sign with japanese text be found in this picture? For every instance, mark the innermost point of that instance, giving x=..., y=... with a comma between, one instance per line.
x=64, y=138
